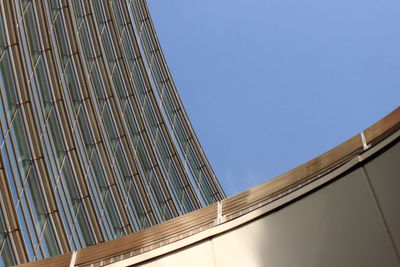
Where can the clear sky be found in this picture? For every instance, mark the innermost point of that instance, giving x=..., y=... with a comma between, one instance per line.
x=271, y=84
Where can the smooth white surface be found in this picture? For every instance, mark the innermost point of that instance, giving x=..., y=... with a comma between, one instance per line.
x=198, y=255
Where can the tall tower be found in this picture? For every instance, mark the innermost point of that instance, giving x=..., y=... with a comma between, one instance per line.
x=94, y=140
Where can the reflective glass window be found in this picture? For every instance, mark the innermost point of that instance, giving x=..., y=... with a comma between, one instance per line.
x=73, y=87
x=151, y=119
x=57, y=137
x=61, y=38
x=71, y=187
x=8, y=85
x=109, y=50
x=86, y=134
x=55, y=7
x=6, y=254
x=83, y=227
x=36, y=200
x=105, y=192
x=3, y=41
x=21, y=143
x=99, y=11
x=109, y=125
x=98, y=86
x=133, y=128
x=32, y=31
x=87, y=46
x=44, y=86
x=119, y=85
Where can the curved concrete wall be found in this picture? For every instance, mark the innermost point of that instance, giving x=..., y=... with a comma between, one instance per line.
x=352, y=220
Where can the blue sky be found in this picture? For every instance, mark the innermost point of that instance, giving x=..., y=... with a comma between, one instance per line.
x=271, y=84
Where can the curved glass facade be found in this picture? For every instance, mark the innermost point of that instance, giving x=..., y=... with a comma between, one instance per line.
x=94, y=141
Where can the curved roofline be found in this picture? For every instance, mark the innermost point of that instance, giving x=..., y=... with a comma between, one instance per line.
x=239, y=209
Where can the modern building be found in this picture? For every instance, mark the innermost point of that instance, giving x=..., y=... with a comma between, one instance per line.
x=100, y=165
x=95, y=143
x=339, y=209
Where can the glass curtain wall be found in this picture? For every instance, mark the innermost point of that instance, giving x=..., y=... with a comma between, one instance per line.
x=94, y=141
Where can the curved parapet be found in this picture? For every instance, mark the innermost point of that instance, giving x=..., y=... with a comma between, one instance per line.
x=340, y=209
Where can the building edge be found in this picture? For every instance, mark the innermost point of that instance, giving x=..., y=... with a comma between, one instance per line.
x=240, y=210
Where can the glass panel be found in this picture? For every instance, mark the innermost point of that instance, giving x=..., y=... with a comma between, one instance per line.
x=77, y=207
x=22, y=147
x=3, y=41
x=109, y=50
x=73, y=88
x=118, y=14
x=105, y=192
x=78, y=11
x=194, y=164
x=133, y=129
x=163, y=150
x=29, y=236
x=98, y=85
x=112, y=213
x=98, y=9
x=136, y=199
x=37, y=207
x=119, y=85
x=62, y=40
x=137, y=79
x=155, y=186
x=157, y=72
x=66, y=216
x=87, y=46
x=70, y=186
x=33, y=35
x=122, y=164
x=109, y=125
x=6, y=253
x=207, y=192
x=48, y=242
x=99, y=175
x=14, y=183
x=8, y=85
x=151, y=119
x=187, y=203
x=144, y=161
x=129, y=183
x=58, y=141
x=84, y=228
x=180, y=131
x=146, y=41
x=176, y=181
x=44, y=85
x=169, y=105
x=86, y=132
x=55, y=6
x=127, y=45
x=25, y=3
x=35, y=198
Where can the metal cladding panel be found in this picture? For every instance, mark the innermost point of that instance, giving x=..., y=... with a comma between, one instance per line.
x=58, y=261
x=383, y=128
x=338, y=225
x=198, y=255
x=384, y=174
